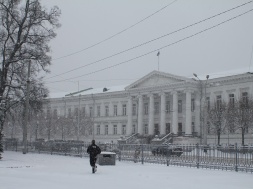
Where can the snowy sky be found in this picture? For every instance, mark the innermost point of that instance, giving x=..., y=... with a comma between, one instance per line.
x=40, y=171
x=88, y=22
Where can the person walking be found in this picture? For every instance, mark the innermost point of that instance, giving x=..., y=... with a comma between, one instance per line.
x=93, y=150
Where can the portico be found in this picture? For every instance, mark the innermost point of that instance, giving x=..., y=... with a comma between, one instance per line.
x=169, y=103
x=164, y=115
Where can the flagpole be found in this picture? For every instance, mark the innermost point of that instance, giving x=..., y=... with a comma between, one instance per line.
x=158, y=63
x=158, y=59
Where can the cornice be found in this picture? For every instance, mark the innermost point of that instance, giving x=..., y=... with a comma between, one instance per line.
x=232, y=78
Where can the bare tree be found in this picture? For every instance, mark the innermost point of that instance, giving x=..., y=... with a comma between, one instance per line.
x=12, y=121
x=86, y=124
x=243, y=115
x=217, y=117
x=231, y=114
x=26, y=30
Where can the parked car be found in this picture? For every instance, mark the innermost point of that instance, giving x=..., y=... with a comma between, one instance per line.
x=167, y=150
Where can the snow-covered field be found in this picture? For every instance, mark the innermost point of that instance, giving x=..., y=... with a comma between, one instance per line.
x=40, y=171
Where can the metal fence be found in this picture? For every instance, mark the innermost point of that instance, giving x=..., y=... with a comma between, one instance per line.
x=226, y=157
x=223, y=157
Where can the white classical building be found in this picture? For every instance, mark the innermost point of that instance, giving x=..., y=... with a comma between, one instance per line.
x=159, y=104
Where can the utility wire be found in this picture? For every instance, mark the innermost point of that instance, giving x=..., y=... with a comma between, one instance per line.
x=121, y=52
x=171, y=44
x=118, y=33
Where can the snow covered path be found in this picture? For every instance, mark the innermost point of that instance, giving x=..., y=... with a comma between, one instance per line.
x=41, y=171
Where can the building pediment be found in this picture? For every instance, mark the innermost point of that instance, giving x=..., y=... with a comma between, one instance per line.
x=156, y=78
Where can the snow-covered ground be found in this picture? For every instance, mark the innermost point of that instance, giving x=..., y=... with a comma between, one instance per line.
x=41, y=171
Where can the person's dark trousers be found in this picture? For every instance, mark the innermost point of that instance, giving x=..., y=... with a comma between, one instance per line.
x=92, y=161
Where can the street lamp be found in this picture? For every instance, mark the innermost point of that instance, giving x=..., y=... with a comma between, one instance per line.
x=93, y=114
x=64, y=119
x=203, y=129
x=78, y=119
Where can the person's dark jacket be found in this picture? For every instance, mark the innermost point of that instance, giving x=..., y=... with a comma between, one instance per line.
x=93, y=150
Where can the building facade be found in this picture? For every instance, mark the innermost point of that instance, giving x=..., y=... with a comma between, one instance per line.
x=157, y=105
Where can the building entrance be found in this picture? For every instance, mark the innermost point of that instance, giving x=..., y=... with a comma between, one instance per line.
x=156, y=131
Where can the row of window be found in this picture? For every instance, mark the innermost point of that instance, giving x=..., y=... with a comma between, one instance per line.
x=231, y=100
x=124, y=109
x=146, y=107
x=106, y=130
x=232, y=130
x=134, y=129
x=156, y=129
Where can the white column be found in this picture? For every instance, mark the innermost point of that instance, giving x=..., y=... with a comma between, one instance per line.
x=188, y=114
x=151, y=114
x=197, y=114
x=175, y=113
x=163, y=113
x=129, y=116
x=140, y=115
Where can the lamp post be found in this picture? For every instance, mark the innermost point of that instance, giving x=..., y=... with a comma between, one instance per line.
x=203, y=129
x=78, y=118
x=93, y=114
x=64, y=119
x=62, y=128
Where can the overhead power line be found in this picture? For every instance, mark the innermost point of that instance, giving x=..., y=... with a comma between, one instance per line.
x=159, y=49
x=152, y=40
x=118, y=33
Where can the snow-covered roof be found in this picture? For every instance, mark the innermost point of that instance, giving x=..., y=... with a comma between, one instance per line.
x=224, y=73
x=90, y=91
x=57, y=95
x=122, y=87
x=103, y=90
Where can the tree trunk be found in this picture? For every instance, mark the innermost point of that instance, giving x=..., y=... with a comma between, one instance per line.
x=218, y=134
x=243, y=131
x=2, y=117
x=1, y=143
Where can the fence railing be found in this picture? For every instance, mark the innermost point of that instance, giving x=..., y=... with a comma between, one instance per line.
x=225, y=157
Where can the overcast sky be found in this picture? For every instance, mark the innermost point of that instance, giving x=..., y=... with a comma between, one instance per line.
x=86, y=23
